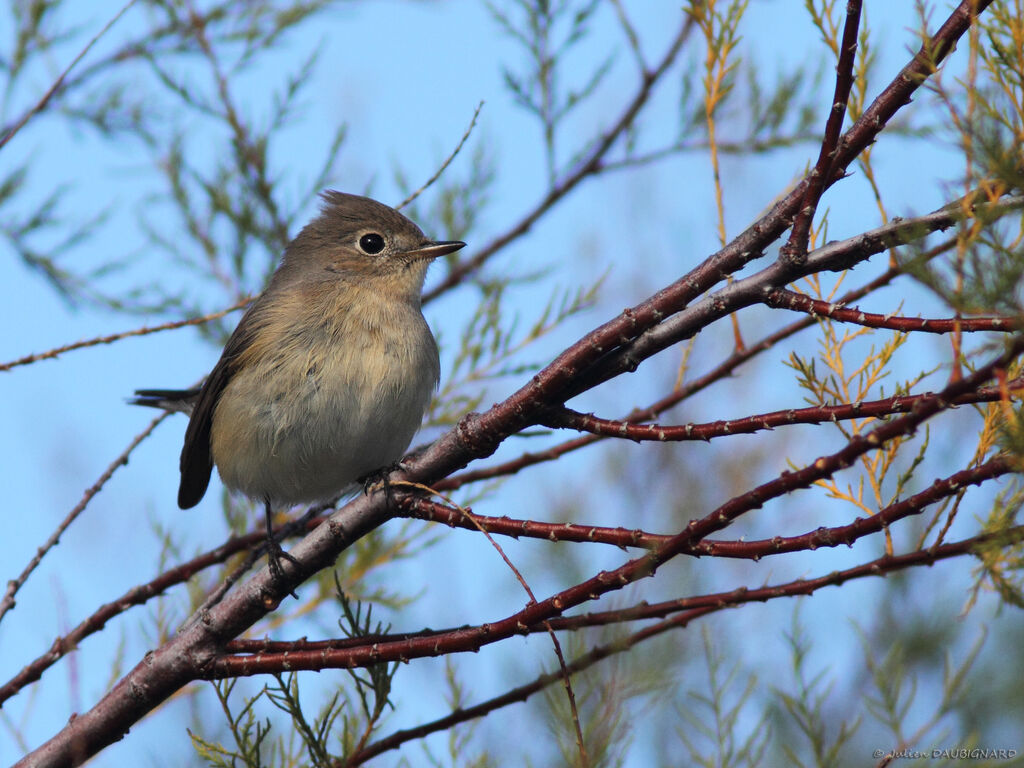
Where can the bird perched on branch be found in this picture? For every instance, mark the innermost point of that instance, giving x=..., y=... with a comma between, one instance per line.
x=329, y=372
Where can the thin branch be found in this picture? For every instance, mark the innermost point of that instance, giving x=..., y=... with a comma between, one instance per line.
x=566, y=418
x=144, y=331
x=796, y=248
x=747, y=550
x=589, y=166
x=780, y=298
x=746, y=146
x=140, y=595
x=567, y=682
x=631, y=35
x=45, y=99
x=447, y=162
x=858, y=445
x=14, y=585
x=463, y=639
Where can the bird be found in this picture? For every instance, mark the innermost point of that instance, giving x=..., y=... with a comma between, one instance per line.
x=327, y=376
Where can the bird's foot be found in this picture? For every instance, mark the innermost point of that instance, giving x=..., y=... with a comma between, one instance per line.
x=380, y=476
x=275, y=554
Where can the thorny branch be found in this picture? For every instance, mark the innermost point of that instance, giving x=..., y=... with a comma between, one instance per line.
x=425, y=645
x=569, y=419
x=554, y=532
x=690, y=609
x=823, y=171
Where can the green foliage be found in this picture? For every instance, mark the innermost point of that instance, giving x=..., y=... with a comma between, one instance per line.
x=985, y=274
x=611, y=700
x=355, y=622
x=43, y=235
x=819, y=741
x=1001, y=556
x=339, y=728
x=716, y=735
x=238, y=195
x=548, y=30
x=249, y=733
x=896, y=691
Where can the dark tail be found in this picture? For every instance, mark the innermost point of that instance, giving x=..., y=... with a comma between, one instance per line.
x=168, y=399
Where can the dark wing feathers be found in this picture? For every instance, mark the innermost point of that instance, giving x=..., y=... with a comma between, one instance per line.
x=196, y=459
x=196, y=455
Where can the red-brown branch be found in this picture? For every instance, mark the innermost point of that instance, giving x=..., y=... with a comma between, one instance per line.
x=823, y=172
x=941, y=488
x=780, y=298
x=461, y=639
x=566, y=418
x=880, y=567
x=719, y=372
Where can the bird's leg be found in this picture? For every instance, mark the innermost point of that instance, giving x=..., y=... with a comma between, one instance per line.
x=274, y=551
x=382, y=476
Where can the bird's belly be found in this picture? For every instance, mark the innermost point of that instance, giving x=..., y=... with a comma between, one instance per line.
x=308, y=436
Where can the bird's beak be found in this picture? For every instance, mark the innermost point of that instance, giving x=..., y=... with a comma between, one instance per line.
x=432, y=249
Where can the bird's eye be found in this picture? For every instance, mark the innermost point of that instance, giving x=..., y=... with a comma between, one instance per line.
x=371, y=243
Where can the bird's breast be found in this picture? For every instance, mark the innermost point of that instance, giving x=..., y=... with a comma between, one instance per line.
x=340, y=393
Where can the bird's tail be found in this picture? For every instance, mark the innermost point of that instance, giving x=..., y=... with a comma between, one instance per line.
x=182, y=400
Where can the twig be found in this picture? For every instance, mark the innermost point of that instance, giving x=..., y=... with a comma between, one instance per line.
x=139, y=595
x=784, y=299
x=566, y=679
x=447, y=162
x=746, y=550
x=248, y=155
x=566, y=418
x=15, y=584
x=795, y=248
x=41, y=104
x=590, y=165
x=631, y=35
x=144, y=331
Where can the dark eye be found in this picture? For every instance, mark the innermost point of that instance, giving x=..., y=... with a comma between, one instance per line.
x=371, y=243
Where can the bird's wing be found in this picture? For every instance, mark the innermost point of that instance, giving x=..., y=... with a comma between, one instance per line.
x=196, y=456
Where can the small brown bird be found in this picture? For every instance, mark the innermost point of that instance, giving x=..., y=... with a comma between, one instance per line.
x=330, y=370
